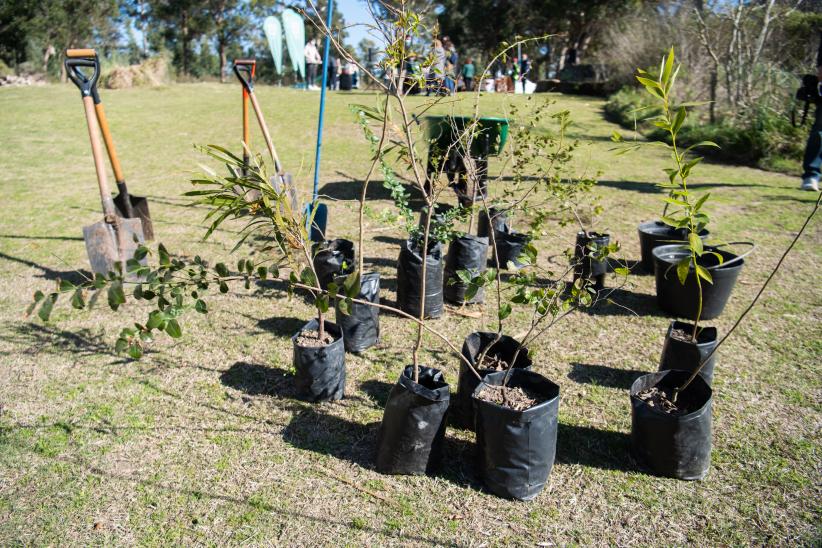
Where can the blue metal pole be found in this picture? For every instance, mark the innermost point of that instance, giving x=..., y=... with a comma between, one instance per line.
x=322, y=106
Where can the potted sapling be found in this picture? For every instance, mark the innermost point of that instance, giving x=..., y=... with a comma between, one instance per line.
x=675, y=439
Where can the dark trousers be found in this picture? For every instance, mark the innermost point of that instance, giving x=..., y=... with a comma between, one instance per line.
x=469, y=83
x=812, y=164
x=310, y=73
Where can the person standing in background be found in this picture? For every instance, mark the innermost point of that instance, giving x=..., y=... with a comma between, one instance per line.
x=468, y=74
x=812, y=162
x=437, y=69
x=525, y=68
x=333, y=69
x=451, y=59
x=312, y=63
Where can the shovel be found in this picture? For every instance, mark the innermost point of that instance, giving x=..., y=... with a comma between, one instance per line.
x=128, y=205
x=113, y=241
x=244, y=69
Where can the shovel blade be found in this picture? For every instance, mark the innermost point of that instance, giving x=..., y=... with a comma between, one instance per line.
x=140, y=207
x=102, y=248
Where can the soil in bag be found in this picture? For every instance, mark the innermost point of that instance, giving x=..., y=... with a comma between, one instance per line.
x=333, y=258
x=319, y=364
x=673, y=438
x=409, y=280
x=517, y=434
x=361, y=328
x=498, y=358
x=464, y=253
x=413, y=425
x=496, y=217
x=585, y=266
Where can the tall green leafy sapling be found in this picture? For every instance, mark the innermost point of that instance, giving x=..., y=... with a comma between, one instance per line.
x=687, y=212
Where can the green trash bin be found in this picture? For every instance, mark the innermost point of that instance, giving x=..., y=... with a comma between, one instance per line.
x=443, y=131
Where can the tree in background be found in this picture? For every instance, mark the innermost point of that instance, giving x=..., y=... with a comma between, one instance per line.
x=230, y=20
x=179, y=23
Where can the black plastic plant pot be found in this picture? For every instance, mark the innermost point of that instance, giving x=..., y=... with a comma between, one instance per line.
x=361, y=328
x=333, y=258
x=320, y=370
x=464, y=253
x=686, y=355
x=585, y=266
x=497, y=217
x=675, y=446
x=517, y=448
x=462, y=410
x=653, y=234
x=682, y=300
x=409, y=279
x=413, y=425
x=510, y=245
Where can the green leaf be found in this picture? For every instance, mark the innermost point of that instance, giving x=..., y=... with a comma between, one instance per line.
x=682, y=269
x=38, y=296
x=274, y=270
x=344, y=306
x=322, y=303
x=121, y=345
x=138, y=292
x=621, y=271
x=700, y=202
x=241, y=265
x=47, y=307
x=223, y=287
x=703, y=273
x=135, y=351
x=77, y=300
x=307, y=277
x=352, y=284
x=504, y=311
x=156, y=319
x=133, y=265
x=221, y=269
x=695, y=243
x=679, y=119
x=116, y=295
x=667, y=66
x=165, y=259
x=141, y=252
x=200, y=306
x=173, y=329
x=66, y=286
x=262, y=272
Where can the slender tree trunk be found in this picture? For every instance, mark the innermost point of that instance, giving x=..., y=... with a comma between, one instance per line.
x=185, y=41
x=221, y=50
x=713, y=84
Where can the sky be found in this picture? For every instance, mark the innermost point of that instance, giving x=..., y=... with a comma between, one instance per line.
x=354, y=11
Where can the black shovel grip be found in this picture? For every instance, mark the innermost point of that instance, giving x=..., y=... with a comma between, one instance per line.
x=86, y=84
x=244, y=69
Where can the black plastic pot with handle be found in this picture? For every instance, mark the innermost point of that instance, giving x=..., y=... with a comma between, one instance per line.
x=498, y=218
x=517, y=448
x=653, y=234
x=585, y=266
x=413, y=424
x=361, y=328
x=464, y=253
x=333, y=258
x=673, y=445
x=682, y=353
x=409, y=279
x=462, y=410
x=510, y=245
x=682, y=300
x=320, y=370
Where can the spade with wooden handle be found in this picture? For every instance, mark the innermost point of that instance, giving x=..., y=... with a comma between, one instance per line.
x=111, y=242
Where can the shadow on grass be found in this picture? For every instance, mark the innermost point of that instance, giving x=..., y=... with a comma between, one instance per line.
x=602, y=375
x=74, y=276
x=259, y=380
x=377, y=391
x=605, y=449
x=81, y=343
x=646, y=187
x=24, y=237
x=327, y=434
x=621, y=302
x=281, y=326
x=392, y=240
x=784, y=198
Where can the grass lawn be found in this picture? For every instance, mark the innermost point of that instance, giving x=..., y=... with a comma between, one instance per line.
x=203, y=442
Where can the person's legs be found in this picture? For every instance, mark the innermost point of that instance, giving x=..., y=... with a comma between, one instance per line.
x=812, y=163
